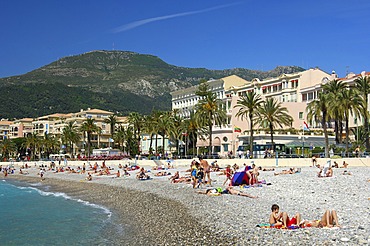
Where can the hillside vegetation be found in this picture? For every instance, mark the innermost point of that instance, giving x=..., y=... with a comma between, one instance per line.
x=118, y=81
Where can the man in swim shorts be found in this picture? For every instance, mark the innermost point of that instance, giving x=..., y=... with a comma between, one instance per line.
x=207, y=170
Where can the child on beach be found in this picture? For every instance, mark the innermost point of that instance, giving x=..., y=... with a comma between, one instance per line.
x=200, y=176
x=228, y=173
x=281, y=219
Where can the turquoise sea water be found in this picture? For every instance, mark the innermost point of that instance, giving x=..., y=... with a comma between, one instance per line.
x=30, y=215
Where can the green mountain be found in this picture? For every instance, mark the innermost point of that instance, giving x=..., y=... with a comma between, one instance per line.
x=118, y=81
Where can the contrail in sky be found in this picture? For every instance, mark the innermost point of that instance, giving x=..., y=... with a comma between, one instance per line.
x=135, y=24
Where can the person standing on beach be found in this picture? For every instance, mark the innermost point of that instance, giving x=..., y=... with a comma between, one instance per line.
x=207, y=170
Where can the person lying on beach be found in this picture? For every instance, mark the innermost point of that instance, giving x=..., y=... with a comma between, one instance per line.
x=22, y=172
x=185, y=179
x=281, y=219
x=158, y=174
x=345, y=172
x=290, y=171
x=266, y=169
x=175, y=176
x=329, y=219
x=219, y=191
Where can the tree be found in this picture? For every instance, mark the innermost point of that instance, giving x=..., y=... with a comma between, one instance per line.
x=362, y=84
x=165, y=126
x=273, y=114
x=136, y=121
x=89, y=127
x=120, y=137
x=6, y=148
x=70, y=135
x=349, y=100
x=50, y=144
x=248, y=108
x=209, y=111
x=32, y=144
x=335, y=111
x=191, y=129
x=112, y=121
x=150, y=127
x=318, y=112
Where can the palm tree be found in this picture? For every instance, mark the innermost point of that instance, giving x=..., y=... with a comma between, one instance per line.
x=32, y=143
x=209, y=111
x=191, y=129
x=165, y=127
x=112, y=121
x=318, y=112
x=150, y=127
x=89, y=127
x=50, y=144
x=6, y=148
x=350, y=103
x=248, y=108
x=70, y=135
x=362, y=84
x=273, y=114
x=136, y=121
x=120, y=137
x=335, y=111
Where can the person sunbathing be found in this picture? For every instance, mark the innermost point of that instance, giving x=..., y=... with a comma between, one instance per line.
x=344, y=165
x=162, y=174
x=142, y=174
x=328, y=173
x=267, y=169
x=329, y=219
x=89, y=177
x=345, y=172
x=175, y=176
x=290, y=171
x=281, y=219
x=219, y=191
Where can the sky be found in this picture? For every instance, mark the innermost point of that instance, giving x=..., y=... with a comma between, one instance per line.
x=212, y=34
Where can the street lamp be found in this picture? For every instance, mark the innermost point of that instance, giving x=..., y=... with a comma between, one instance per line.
x=302, y=137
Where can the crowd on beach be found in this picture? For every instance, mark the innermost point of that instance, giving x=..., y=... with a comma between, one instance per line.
x=198, y=176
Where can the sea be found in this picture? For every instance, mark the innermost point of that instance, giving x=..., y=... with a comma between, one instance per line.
x=32, y=215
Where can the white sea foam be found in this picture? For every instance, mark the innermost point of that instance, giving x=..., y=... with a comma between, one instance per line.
x=65, y=196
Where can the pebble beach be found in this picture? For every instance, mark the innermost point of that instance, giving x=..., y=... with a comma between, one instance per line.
x=157, y=212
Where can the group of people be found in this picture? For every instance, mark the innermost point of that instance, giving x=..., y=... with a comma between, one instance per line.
x=200, y=172
x=281, y=219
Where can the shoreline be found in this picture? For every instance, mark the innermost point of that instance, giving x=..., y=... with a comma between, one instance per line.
x=170, y=214
x=146, y=218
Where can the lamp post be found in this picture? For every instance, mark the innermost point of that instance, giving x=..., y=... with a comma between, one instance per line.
x=303, y=137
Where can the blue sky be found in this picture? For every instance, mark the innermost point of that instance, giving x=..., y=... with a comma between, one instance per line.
x=214, y=34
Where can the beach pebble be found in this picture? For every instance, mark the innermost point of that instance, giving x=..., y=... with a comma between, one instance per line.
x=344, y=239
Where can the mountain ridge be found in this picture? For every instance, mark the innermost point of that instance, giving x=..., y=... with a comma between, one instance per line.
x=120, y=81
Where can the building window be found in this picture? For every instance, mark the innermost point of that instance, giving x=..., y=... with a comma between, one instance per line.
x=225, y=147
x=301, y=115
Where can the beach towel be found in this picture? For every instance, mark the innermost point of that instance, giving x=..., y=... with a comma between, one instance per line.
x=268, y=226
